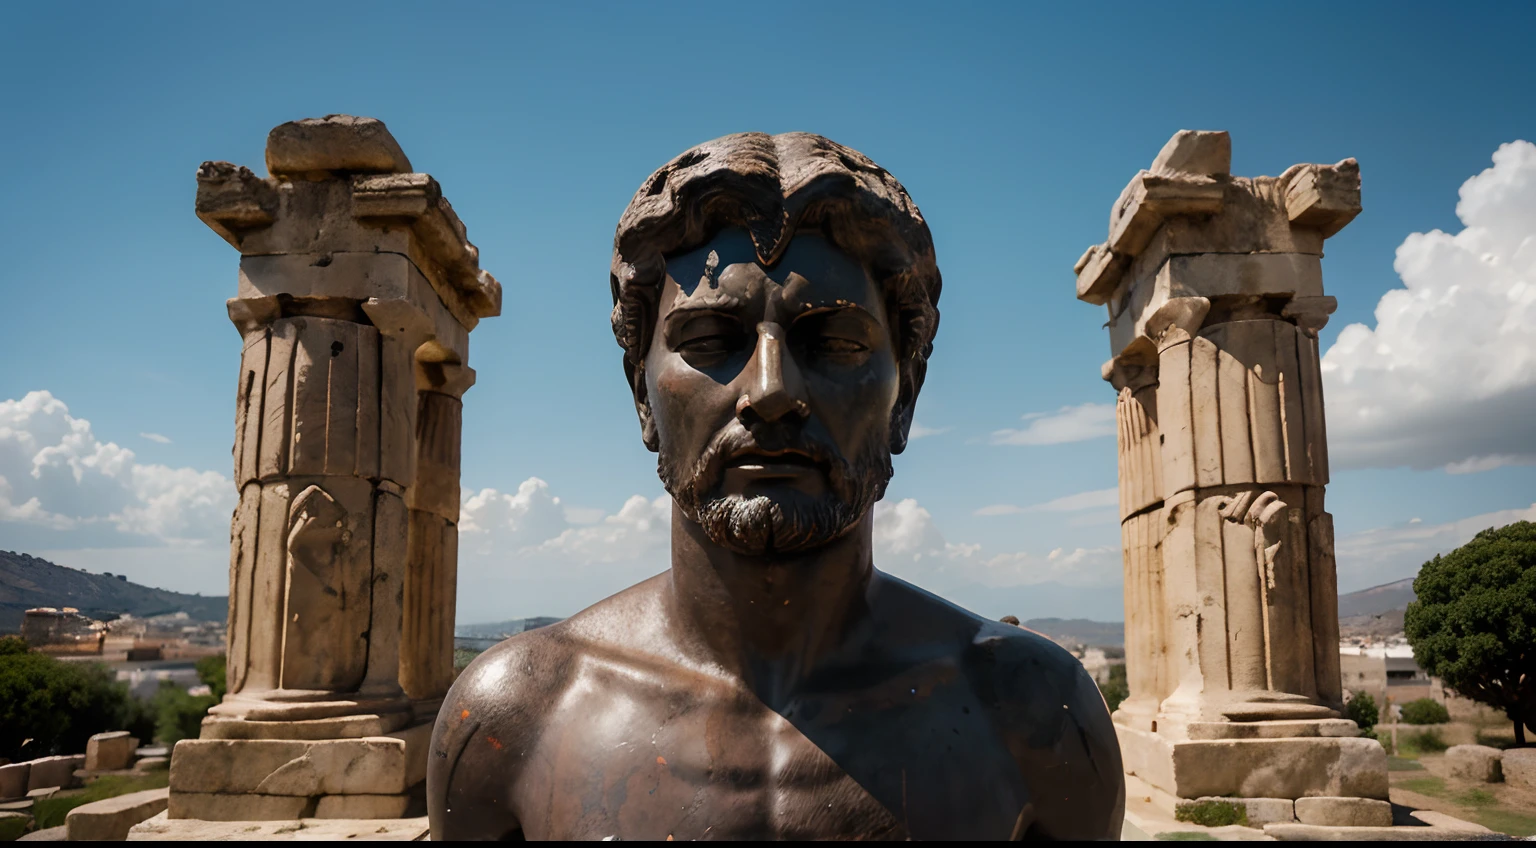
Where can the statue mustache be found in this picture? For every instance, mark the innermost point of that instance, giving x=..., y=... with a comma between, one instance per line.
x=734, y=439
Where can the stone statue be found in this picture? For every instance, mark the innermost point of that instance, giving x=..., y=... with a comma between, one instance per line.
x=775, y=299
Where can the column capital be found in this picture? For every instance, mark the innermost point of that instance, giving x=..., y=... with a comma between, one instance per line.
x=444, y=378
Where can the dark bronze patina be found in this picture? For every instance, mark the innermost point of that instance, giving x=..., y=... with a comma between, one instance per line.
x=775, y=300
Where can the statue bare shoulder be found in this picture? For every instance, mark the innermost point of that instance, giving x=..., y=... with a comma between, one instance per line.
x=1047, y=709
x=494, y=714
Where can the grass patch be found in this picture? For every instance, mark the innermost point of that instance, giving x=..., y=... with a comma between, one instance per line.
x=1401, y=764
x=1185, y=836
x=1506, y=821
x=12, y=827
x=1476, y=798
x=1414, y=745
x=1431, y=786
x=1212, y=813
x=50, y=812
x=1495, y=740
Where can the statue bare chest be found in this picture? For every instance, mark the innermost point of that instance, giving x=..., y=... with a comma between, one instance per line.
x=686, y=767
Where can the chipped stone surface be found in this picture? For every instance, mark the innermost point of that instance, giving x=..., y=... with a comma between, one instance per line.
x=362, y=806
x=1280, y=768
x=1345, y=812
x=373, y=765
x=334, y=143
x=1475, y=762
x=110, y=751
x=13, y=780
x=230, y=807
x=55, y=771
x=1519, y=767
x=110, y=819
x=162, y=828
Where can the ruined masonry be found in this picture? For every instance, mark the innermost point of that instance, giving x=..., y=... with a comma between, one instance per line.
x=1214, y=289
x=357, y=293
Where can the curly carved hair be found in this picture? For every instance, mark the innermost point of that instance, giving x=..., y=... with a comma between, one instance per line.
x=773, y=187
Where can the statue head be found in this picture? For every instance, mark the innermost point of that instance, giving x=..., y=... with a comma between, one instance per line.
x=776, y=298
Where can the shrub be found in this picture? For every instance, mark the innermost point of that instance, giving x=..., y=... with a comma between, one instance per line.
x=1425, y=711
x=214, y=672
x=1361, y=710
x=52, y=707
x=1115, y=689
x=1212, y=813
x=1425, y=741
x=178, y=715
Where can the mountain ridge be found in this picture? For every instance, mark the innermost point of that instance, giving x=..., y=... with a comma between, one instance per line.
x=27, y=582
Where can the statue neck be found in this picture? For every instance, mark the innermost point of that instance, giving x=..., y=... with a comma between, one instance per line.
x=769, y=621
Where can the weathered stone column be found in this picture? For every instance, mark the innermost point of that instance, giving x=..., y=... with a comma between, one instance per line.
x=1214, y=289
x=355, y=275
x=426, y=666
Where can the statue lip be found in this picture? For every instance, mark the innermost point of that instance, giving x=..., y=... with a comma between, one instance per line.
x=759, y=457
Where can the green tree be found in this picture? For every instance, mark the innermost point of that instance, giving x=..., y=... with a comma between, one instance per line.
x=1115, y=689
x=178, y=715
x=52, y=707
x=1425, y=711
x=1362, y=710
x=1473, y=624
x=214, y=672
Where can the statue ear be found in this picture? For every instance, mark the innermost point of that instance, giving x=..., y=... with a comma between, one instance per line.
x=912, y=373
x=635, y=373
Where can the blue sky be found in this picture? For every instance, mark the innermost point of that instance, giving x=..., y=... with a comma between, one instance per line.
x=1013, y=125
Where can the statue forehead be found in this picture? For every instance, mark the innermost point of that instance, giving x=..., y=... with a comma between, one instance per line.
x=819, y=265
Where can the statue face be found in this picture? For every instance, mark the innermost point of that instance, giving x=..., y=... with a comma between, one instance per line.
x=771, y=392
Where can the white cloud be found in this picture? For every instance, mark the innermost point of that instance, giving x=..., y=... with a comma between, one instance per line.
x=1447, y=378
x=908, y=544
x=1068, y=424
x=1373, y=557
x=56, y=474
x=918, y=431
x=156, y=438
x=1096, y=499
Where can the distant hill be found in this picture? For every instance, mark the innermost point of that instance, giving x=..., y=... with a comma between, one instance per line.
x=502, y=629
x=27, y=582
x=1376, y=612
x=1377, y=600
x=1096, y=634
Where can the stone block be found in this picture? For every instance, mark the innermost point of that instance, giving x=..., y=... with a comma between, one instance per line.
x=334, y=143
x=1519, y=766
x=210, y=806
x=110, y=819
x=1280, y=768
x=362, y=806
x=1475, y=762
x=1205, y=153
x=162, y=828
x=13, y=780
x=1323, y=197
x=42, y=792
x=417, y=740
x=1331, y=833
x=50, y=834
x=339, y=727
x=110, y=751
x=1151, y=199
x=55, y=771
x=1344, y=812
x=367, y=766
x=1273, y=729
x=355, y=275
x=1260, y=811
x=149, y=764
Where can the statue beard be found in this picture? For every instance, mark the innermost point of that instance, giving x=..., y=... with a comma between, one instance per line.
x=759, y=525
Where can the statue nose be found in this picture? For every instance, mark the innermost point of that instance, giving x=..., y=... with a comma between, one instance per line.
x=775, y=389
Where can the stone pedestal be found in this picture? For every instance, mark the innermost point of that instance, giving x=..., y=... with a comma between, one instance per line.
x=357, y=286
x=1214, y=289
